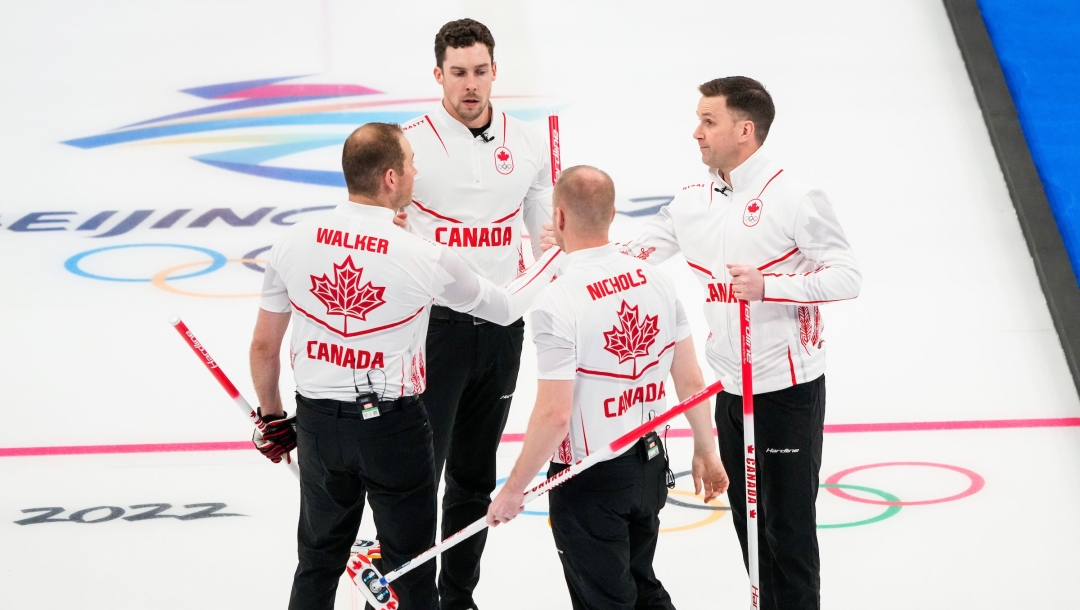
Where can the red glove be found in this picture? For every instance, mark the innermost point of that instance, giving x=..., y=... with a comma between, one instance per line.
x=278, y=439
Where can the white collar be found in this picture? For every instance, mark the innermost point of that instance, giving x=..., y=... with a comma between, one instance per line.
x=452, y=125
x=748, y=172
x=586, y=255
x=362, y=211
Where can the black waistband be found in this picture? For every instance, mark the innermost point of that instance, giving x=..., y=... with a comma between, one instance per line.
x=438, y=312
x=346, y=408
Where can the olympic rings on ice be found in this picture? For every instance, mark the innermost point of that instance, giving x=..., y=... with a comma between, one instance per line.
x=716, y=510
x=217, y=261
x=162, y=279
x=893, y=504
x=255, y=254
x=888, y=512
x=977, y=483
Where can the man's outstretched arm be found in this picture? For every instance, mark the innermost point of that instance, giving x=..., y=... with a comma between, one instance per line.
x=548, y=426
x=705, y=467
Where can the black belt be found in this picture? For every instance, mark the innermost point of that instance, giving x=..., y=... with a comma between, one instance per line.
x=346, y=408
x=445, y=314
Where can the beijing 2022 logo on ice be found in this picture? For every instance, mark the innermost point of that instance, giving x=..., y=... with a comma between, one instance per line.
x=270, y=119
x=270, y=115
x=250, y=128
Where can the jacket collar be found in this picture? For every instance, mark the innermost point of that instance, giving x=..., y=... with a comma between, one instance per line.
x=589, y=255
x=360, y=211
x=747, y=173
x=452, y=125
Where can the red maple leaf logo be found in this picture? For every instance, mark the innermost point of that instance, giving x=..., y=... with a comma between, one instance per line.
x=503, y=156
x=345, y=296
x=633, y=337
x=805, y=327
x=753, y=207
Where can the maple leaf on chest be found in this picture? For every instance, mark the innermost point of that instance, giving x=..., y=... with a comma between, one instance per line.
x=753, y=207
x=503, y=156
x=344, y=296
x=633, y=337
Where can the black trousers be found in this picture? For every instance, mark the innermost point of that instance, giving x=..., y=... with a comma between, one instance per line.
x=605, y=522
x=788, y=427
x=341, y=458
x=472, y=371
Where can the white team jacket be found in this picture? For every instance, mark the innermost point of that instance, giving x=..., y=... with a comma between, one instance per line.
x=475, y=196
x=610, y=324
x=787, y=229
x=359, y=289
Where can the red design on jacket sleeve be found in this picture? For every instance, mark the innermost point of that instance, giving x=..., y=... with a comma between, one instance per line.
x=805, y=327
x=563, y=454
x=419, y=374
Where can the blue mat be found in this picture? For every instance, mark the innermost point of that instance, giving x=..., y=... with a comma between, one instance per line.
x=1038, y=45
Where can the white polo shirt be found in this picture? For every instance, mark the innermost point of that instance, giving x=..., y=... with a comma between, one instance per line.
x=476, y=197
x=609, y=323
x=359, y=289
x=784, y=227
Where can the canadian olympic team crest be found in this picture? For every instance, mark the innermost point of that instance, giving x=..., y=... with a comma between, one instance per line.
x=504, y=161
x=752, y=212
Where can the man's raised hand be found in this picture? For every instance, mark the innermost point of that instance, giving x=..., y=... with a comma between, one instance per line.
x=547, y=237
x=747, y=282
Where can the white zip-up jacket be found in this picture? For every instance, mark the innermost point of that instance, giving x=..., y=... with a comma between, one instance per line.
x=609, y=323
x=786, y=228
x=475, y=196
x=359, y=289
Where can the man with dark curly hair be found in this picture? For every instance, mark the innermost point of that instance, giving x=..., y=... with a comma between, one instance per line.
x=483, y=177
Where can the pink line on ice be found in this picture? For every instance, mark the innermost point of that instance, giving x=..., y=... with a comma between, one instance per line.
x=982, y=424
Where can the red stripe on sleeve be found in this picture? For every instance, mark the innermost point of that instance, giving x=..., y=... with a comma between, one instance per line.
x=768, y=300
x=779, y=260
x=537, y=274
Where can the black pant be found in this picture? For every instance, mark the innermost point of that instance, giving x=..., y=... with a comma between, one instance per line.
x=605, y=522
x=472, y=371
x=788, y=426
x=342, y=458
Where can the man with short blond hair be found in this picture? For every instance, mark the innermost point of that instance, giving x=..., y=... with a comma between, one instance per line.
x=594, y=347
